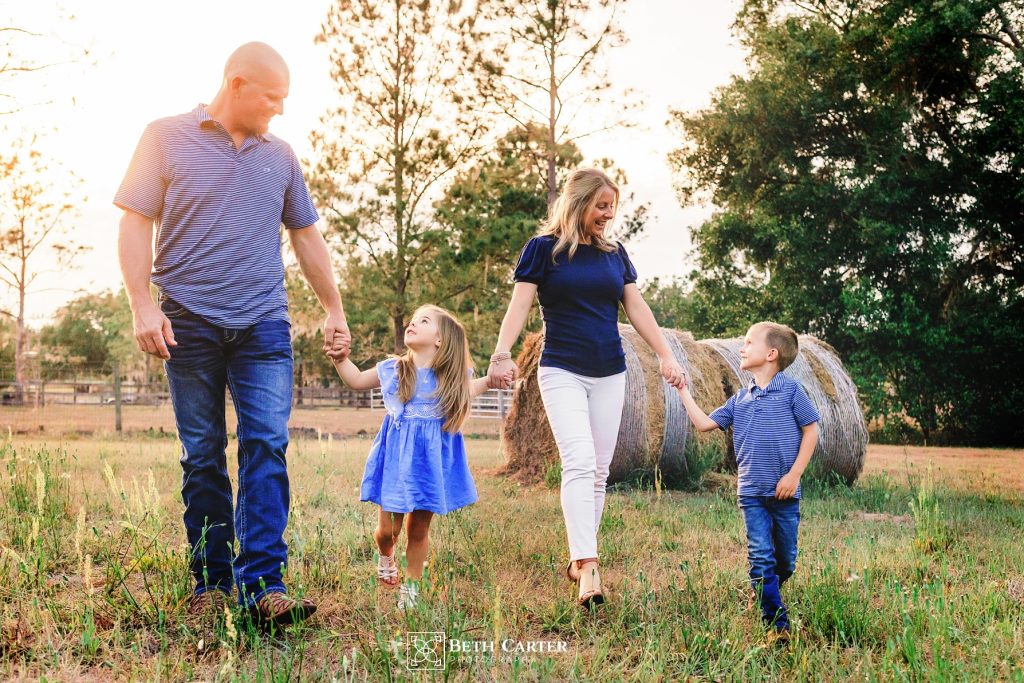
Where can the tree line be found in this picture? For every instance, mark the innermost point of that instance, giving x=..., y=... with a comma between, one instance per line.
x=864, y=173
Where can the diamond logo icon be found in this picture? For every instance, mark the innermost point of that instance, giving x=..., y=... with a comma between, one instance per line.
x=425, y=651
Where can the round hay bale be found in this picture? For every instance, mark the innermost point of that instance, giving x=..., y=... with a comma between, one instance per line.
x=526, y=437
x=843, y=434
x=654, y=434
x=642, y=429
x=704, y=374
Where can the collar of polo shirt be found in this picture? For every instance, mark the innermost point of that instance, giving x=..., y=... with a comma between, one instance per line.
x=774, y=385
x=205, y=121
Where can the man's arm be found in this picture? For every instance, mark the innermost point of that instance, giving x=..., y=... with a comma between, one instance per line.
x=315, y=262
x=152, y=329
x=786, y=488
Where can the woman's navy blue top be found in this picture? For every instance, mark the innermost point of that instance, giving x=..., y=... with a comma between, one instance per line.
x=579, y=301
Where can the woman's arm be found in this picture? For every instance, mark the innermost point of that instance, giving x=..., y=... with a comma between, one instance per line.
x=511, y=326
x=640, y=315
x=353, y=378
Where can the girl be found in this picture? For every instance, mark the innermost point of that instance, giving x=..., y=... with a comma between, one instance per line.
x=581, y=278
x=417, y=466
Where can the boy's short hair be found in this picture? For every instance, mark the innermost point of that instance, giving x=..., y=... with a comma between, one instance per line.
x=783, y=339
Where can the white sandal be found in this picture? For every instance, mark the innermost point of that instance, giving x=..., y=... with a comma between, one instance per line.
x=408, y=594
x=387, y=569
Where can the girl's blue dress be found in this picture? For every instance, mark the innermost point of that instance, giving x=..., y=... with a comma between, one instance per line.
x=414, y=464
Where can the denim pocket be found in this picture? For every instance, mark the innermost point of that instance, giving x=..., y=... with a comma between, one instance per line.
x=171, y=308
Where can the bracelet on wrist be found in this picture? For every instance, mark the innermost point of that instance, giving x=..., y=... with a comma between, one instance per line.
x=500, y=356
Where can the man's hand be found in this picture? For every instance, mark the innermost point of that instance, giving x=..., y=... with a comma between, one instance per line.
x=786, y=488
x=153, y=331
x=342, y=347
x=337, y=338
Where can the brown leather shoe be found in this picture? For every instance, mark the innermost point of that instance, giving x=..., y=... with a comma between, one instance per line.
x=211, y=602
x=278, y=608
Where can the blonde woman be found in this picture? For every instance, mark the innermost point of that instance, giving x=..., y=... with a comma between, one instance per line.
x=417, y=465
x=581, y=277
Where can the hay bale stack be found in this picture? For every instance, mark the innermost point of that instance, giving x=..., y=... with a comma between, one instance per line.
x=843, y=434
x=654, y=432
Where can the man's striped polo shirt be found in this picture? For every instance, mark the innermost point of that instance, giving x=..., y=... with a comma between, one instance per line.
x=218, y=212
x=766, y=431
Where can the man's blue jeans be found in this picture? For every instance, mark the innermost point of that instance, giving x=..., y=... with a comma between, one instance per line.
x=256, y=364
x=772, y=526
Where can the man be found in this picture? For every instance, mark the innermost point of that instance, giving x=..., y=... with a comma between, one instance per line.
x=218, y=187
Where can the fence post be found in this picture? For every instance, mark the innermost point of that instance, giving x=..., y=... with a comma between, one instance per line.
x=501, y=403
x=117, y=397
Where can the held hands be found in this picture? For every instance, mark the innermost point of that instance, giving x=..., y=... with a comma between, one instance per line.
x=341, y=348
x=153, y=331
x=672, y=372
x=337, y=338
x=786, y=488
x=501, y=374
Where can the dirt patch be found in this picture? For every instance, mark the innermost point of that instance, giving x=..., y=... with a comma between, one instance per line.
x=882, y=517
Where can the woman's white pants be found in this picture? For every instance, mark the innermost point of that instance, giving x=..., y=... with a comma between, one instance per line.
x=584, y=413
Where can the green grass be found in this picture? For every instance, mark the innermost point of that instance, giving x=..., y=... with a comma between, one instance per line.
x=897, y=580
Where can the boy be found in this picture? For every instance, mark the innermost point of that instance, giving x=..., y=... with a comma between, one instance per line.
x=775, y=431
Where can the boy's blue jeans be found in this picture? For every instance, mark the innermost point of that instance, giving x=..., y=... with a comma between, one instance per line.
x=772, y=526
x=256, y=364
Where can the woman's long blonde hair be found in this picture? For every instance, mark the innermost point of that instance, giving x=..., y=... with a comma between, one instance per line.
x=451, y=367
x=566, y=215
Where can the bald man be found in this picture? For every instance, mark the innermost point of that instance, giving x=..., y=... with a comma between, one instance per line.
x=218, y=187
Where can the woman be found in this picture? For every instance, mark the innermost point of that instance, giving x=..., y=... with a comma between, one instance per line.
x=581, y=277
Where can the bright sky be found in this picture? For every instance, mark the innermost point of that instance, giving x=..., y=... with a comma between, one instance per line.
x=150, y=59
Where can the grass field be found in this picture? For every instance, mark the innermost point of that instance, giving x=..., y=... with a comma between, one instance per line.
x=916, y=573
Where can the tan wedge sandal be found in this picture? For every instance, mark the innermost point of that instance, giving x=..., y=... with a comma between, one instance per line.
x=589, y=582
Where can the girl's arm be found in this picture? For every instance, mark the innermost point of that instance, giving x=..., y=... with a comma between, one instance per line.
x=511, y=325
x=640, y=315
x=478, y=386
x=353, y=378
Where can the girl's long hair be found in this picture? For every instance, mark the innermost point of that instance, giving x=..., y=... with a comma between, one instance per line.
x=566, y=216
x=451, y=367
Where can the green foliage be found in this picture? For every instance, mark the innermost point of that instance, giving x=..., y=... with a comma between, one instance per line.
x=8, y=333
x=488, y=214
x=868, y=174
x=37, y=200
x=91, y=330
x=932, y=533
x=545, y=63
x=407, y=119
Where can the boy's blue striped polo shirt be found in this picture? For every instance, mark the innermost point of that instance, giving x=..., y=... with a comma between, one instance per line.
x=766, y=431
x=218, y=212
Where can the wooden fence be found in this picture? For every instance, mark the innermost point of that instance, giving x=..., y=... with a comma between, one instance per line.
x=491, y=404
